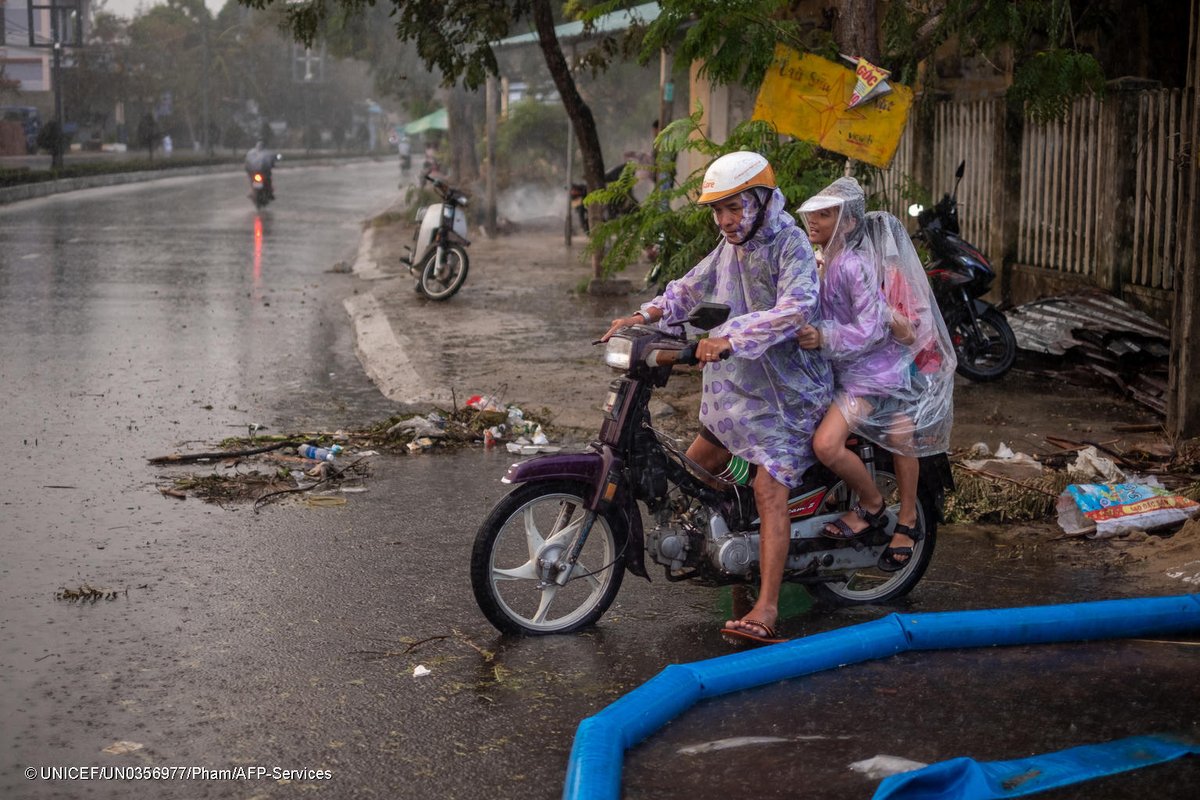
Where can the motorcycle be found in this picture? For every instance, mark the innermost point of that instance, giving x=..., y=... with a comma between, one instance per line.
x=959, y=276
x=442, y=240
x=551, y=555
x=261, y=191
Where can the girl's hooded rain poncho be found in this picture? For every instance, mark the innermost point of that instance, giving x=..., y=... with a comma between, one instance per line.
x=765, y=401
x=880, y=328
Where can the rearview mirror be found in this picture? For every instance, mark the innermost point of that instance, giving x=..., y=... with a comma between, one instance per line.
x=707, y=316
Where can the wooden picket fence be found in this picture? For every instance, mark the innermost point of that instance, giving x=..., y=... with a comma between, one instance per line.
x=1097, y=201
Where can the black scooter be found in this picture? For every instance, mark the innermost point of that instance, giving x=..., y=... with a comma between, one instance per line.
x=959, y=275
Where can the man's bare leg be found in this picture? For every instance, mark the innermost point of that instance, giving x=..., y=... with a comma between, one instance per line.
x=771, y=497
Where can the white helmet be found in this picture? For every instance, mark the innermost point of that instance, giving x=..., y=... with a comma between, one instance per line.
x=733, y=173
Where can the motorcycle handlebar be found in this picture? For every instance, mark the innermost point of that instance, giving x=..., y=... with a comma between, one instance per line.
x=688, y=355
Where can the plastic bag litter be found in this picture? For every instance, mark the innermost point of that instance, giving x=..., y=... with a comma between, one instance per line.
x=1090, y=465
x=419, y=444
x=418, y=426
x=1103, y=510
x=484, y=402
x=879, y=767
x=420, y=671
x=1005, y=462
x=526, y=448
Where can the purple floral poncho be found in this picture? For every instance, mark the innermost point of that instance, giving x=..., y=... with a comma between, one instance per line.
x=765, y=401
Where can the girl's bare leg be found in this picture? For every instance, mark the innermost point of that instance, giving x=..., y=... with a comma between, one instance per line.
x=908, y=472
x=829, y=444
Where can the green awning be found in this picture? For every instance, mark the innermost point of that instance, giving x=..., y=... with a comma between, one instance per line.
x=438, y=120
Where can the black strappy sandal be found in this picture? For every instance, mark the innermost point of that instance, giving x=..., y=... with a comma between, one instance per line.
x=887, y=559
x=838, y=529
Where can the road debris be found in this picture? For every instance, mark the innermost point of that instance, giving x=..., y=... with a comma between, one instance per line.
x=1100, y=511
x=1092, y=333
x=89, y=594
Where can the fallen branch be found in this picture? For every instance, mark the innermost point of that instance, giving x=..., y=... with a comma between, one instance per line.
x=382, y=654
x=184, y=458
x=1138, y=427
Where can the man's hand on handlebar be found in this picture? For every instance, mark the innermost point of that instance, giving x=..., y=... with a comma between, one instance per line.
x=714, y=348
x=622, y=322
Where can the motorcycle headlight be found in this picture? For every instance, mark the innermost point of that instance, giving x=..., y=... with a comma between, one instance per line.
x=618, y=352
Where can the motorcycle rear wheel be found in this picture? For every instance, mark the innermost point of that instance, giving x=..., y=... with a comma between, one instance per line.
x=512, y=562
x=440, y=283
x=987, y=359
x=874, y=585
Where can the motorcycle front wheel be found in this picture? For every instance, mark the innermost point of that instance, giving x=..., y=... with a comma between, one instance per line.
x=517, y=548
x=874, y=585
x=987, y=355
x=441, y=282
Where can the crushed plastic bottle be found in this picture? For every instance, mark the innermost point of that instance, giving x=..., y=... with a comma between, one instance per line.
x=318, y=453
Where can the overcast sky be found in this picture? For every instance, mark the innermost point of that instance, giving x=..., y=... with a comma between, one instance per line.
x=127, y=8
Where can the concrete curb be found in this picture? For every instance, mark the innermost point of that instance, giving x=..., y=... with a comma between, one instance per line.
x=32, y=191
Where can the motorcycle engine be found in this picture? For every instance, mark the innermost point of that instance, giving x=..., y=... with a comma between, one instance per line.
x=698, y=537
x=734, y=554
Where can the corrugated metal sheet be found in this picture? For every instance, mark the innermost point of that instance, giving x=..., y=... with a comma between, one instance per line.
x=1102, y=335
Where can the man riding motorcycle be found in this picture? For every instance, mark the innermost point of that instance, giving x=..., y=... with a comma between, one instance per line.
x=261, y=160
x=763, y=403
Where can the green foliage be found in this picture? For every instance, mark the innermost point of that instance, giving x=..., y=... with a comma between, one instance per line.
x=734, y=40
x=1049, y=71
x=1049, y=82
x=529, y=142
x=681, y=231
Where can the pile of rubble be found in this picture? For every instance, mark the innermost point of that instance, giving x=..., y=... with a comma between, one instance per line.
x=1092, y=333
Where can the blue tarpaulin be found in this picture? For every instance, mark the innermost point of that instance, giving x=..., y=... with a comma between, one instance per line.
x=968, y=779
x=594, y=768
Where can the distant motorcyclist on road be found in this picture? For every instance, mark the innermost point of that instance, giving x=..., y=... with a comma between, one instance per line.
x=261, y=160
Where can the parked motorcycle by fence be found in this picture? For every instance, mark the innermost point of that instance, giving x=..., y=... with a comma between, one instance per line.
x=441, y=239
x=960, y=275
x=551, y=555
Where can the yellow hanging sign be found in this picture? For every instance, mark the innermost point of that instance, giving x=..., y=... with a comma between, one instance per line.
x=808, y=97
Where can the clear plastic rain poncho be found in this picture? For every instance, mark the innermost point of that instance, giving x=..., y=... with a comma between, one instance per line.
x=926, y=408
x=765, y=401
x=881, y=329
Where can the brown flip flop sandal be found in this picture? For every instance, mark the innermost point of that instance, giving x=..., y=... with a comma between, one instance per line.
x=769, y=637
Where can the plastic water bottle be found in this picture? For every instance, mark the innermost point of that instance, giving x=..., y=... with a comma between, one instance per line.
x=318, y=453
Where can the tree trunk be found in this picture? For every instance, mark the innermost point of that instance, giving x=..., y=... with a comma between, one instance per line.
x=464, y=161
x=856, y=29
x=582, y=121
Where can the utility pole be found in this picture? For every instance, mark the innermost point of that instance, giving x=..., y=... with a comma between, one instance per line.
x=205, y=132
x=66, y=27
x=56, y=161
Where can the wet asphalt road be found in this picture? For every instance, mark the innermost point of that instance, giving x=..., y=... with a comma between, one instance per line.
x=137, y=320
